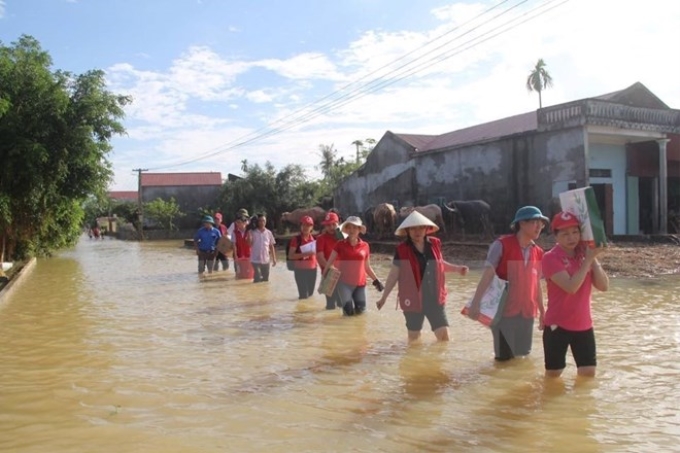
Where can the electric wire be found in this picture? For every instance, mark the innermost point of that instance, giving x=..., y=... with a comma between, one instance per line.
x=402, y=72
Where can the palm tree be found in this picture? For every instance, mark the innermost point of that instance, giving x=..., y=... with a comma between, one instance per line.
x=359, y=144
x=539, y=79
x=327, y=163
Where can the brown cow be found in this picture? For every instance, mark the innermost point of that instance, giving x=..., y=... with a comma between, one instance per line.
x=431, y=211
x=384, y=219
x=293, y=218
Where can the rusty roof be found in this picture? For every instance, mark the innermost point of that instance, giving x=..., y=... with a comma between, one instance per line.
x=417, y=141
x=123, y=195
x=636, y=95
x=181, y=179
x=482, y=132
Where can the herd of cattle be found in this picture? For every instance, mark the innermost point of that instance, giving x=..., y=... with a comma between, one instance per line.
x=455, y=217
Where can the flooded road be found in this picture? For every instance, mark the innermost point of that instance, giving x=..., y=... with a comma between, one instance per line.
x=117, y=347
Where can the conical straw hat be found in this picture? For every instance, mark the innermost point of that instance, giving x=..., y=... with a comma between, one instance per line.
x=416, y=219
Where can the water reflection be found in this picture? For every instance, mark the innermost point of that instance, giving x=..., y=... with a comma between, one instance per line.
x=118, y=346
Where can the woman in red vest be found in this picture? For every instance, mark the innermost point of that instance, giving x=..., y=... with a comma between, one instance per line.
x=516, y=258
x=419, y=268
x=304, y=263
x=325, y=243
x=241, y=246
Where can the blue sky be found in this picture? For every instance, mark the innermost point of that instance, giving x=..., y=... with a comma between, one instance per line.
x=207, y=74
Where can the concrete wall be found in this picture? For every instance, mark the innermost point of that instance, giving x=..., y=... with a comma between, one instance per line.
x=386, y=176
x=507, y=173
x=189, y=199
x=560, y=160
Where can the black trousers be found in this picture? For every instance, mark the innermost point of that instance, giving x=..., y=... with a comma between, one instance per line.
x=305, y=279
x=261, y=272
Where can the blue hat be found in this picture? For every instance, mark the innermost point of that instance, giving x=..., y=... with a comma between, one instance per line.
x=529, y=213
x=207, y=219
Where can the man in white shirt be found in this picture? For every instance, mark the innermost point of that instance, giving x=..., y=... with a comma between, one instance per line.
x=262, y=251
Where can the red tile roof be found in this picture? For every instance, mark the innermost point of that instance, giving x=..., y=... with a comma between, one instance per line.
x=482, y=132
x=123, y=195
x=181, y=179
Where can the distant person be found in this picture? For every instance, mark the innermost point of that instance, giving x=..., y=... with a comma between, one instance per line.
x=419, y=267
x=571, y=270
x=221, y=257
x=263, y=254
x=353, y=261
x=304, y=263
x=325, y=243
x=239, y=214
x=515, y=258
x=205, y=243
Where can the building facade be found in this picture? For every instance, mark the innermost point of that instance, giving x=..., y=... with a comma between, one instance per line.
x=191, y=191
x=626, y=145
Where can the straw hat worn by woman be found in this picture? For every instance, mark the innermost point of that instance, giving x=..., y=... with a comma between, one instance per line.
x=419, y=268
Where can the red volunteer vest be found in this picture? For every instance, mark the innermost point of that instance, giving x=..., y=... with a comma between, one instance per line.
x=409, y=294
x=242, y=246
x=522, y=278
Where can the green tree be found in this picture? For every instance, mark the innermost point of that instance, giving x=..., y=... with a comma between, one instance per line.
x=539, y=79
x=55, y=128
x=264, y=189
x=163, y=212
x=334, y=169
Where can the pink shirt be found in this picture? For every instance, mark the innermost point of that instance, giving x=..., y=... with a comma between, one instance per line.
x=259, y=252
x=568, y=311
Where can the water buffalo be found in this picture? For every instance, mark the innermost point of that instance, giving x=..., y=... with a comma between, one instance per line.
x=470, y=216
x=293, y=218
x=431, y=211
x=384, y=219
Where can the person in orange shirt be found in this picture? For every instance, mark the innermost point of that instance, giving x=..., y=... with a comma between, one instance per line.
x=221, y=257
x=304, y=263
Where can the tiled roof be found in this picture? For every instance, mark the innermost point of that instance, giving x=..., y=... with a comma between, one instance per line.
x=417, y=141
x=123, y=195
x=181, y=179
x=488, y=131
x=636, y=95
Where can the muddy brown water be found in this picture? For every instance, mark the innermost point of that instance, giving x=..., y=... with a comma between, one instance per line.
x=117, y=347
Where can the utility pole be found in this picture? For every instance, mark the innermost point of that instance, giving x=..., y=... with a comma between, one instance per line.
x=140, y=205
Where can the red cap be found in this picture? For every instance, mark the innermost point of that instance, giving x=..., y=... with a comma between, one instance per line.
x=563, y=220
x=306, y=220
x=331, y=217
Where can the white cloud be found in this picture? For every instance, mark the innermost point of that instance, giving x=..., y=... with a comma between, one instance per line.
x=258, y=96
x=591, y=48
x=303, y=66
x=2, y=9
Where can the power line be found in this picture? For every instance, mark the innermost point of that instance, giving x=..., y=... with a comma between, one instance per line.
x=378, y=83
x=292, y=116
x=287, y=119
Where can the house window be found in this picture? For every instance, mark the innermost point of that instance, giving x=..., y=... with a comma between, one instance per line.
x=600, y=173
